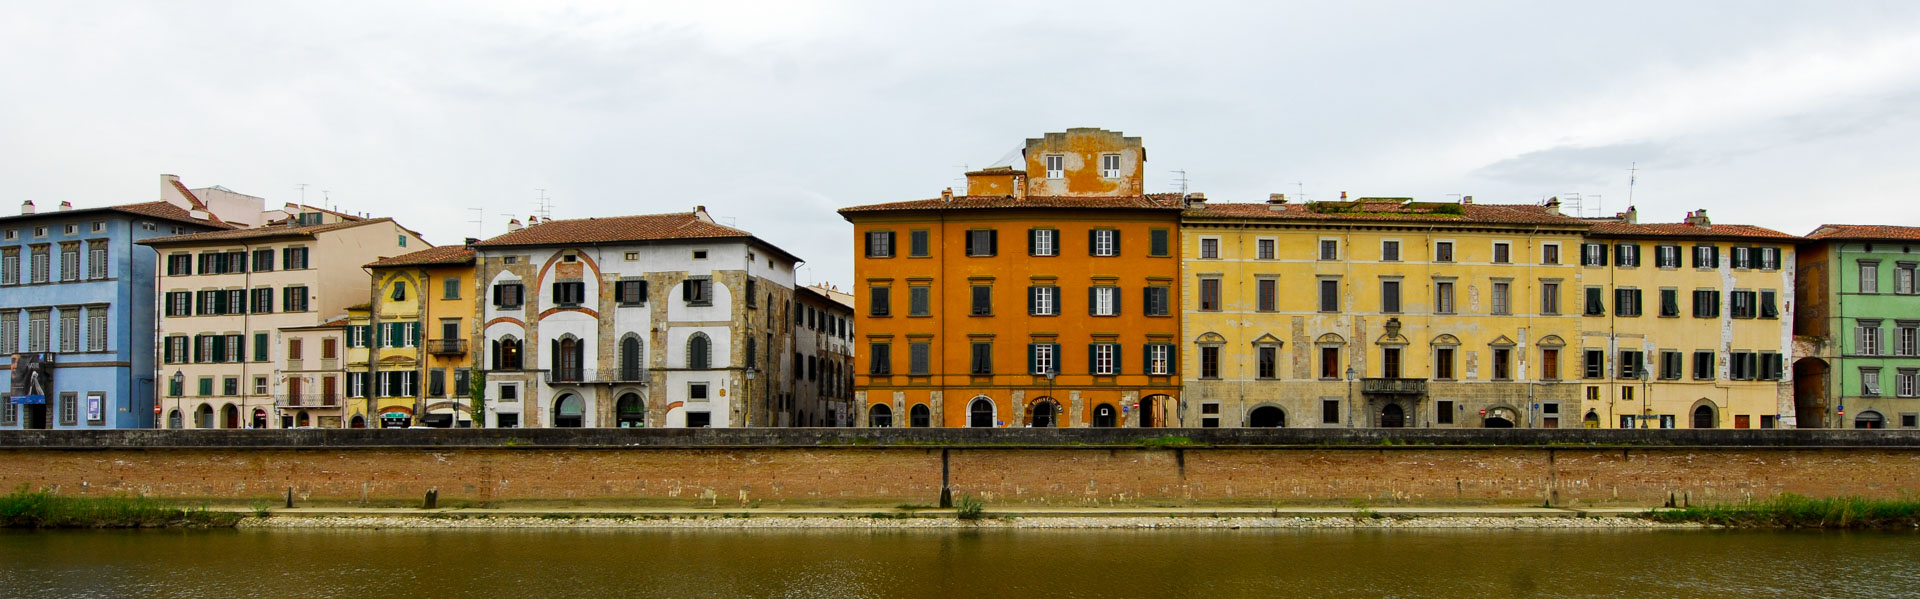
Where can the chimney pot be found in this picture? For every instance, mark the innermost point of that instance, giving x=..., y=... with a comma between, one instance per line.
x=1276, y=198
x=1466, y=199
x=513, y=225
x=946, y=195
x=1343, y=196
x=65, y=205
x=26, y=207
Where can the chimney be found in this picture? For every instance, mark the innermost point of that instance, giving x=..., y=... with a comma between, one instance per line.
x=65, y=205
x=1631, y=216
x=470, y=241
x=1276, y=198
x=1019, y=187
x=1553, y=205
x=532, y=220
x=513, y=225
x=700, y=212
x=1698, y=218
x=26, y=207
x=946, y=195
x=1466, y=200
x=1196, y=200
x=1343, y=196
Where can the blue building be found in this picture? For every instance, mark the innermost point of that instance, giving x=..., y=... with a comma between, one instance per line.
x=77, y=304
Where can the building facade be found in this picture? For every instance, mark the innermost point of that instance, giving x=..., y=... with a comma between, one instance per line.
x=1378, y=312
x=959, y=330
x=226, y=297
x=77, y=309
x=418, y=338
x=311, y=374
x=823, y=359
x=1685, y=325
x=664, y=320
x=1859, y=318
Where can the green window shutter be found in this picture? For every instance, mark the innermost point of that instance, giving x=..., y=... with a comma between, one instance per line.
x=1117, y=363
x=259, y=347
x=1146, y=359
x=206, y=387
x=1116, y=247
x=1091, y=360
x=1033, y=358
x=1116, y=302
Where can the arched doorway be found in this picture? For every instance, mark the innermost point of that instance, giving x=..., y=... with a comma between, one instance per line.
x=1703, y=417
x=1153, y=410
x=980, y=413
x=230, y=416
x=1392, y=416
x=1104, y=416
x=630, y=412
x=260, y=418
x=569, y=411
x=302, y=419
x=920, y=416
x=358, y=421
x=173, y=419
x=1043, y=412
x=1591, y=420
x=1267, y=417
x=203, y=416
x=1869, y=419
x=1810, y=393
x=879, y=416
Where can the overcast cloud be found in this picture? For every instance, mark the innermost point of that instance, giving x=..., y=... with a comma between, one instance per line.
x=1784, y=114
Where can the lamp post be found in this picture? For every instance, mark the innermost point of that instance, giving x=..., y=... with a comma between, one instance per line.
x=1054, y=418
x=179, y=380
x=1646, y=399
x=749, y=398
x=1349, y=397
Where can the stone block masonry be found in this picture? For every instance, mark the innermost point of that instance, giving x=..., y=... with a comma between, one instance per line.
x=1080, y=468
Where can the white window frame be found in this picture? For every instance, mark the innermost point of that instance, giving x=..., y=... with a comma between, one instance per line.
x=1205, y=244
x=1044, y=302
x=1320, y=249
x=1266, y=248
x=1666, y=256
x=1056, y=165
x=1103, y=300
x=1103, y=242
x=1453, y=254
x=1157, y=359
x=1103, y=358
x=1110, y=166
x=1043, y=359
x=1494, y=257
x=1043, y=242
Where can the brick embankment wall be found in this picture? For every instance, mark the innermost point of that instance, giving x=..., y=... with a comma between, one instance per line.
x=887, y=468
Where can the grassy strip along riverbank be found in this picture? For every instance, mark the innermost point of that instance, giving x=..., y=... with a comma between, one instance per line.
x=41, y=509
x=1795, y=511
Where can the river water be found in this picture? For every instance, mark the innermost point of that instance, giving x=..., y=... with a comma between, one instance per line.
x=369, y=564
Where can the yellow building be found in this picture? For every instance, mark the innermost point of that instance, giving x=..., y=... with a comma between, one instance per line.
x=1378, y=312
x=416, y=337
x=1686, y=325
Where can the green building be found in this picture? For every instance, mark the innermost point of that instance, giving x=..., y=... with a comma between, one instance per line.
x=1857, y=317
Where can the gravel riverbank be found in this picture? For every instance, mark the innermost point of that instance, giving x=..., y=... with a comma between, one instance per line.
x=876, y=522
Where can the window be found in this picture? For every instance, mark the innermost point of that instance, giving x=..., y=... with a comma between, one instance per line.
x=919, y=358
x=1104, y=242
x=1905, y=382
x=506, y=354
x=1706, y=256
x=1442, y=251
x=1596, y=302
x=69, y=261
x=1044, y=358
x=1043, y=242
x=1906, y=339
x=1264, y=249
x=1666, y=256
x=1869, y=277
x=1390, y=296
x=1743, y=304
x=1158, y=242
x=1103, y=301
x=1626, y=255
x=507, y=295
x=260, y=347
x=1742, y=257
x=1769, y=258
x=1158, y=300
x=1390, y=362
x=982, y=362
x=1330, y=363
x=1267, y=290
x=919, y=300
x=1870, y=382
x=1502, y=297
x=1209, y=361
x=1706, y=303
x=1631, y=363
x=294, y=258
x=1056, y=166
x=1502, y=364
x=1550, y=364
x=983, y=243
x=880, y=358
x=702, y=254
x=10, y=266
x=569, y=293
x=96, y=260
x=1868, y=334
x=1595, y=364
x=1550, y=253
x=37, y=330
x=626, y=292
x=1267, y=362
x=1626, y=302
x=697, y=291
x=1443, y=362
x=1502, y=252
x=1210, y=415
x=1550, y=297
x=918, y=245
x=1903, y=278
x=1669, y=303
x=69, y=330
x=96, y=328
x=982, y=304
x=1703, y=366
x=1443, y=297
x=293, y=299
x=1390, y=251
x=1593, y=254
x=1329, y=295
x=1329, y=249
x=1110, y=166
x=40, y=259
x=1330, y=411
x=879, y=301
x=1209, y=248
x=880, y=244
x=1443, y=412
x=1209, y=294
x=699, y=352
x=1159, y=358
x=1671, y=366
x=1103, y=358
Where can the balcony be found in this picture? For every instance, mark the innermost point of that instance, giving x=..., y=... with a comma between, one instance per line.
x=1385, y=386
x=306, y=401
x=446, y=347
x=565, y=376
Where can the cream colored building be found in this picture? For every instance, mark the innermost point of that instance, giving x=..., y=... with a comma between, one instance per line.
x=227, y=298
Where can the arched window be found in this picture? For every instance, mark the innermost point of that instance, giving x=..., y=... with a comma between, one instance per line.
x=569, y=412
x=879, y=416
x=203, y=416
x=632, y=356
x=699, y=352
x=980, y=413
x=631, y=411
x=920, y=416
x=506, y=354
x=173, y=419
x=567, y=359
x=357, y=422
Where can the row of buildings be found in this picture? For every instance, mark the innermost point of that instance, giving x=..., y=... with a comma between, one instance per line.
x=1055, y=292
x=1052, y=293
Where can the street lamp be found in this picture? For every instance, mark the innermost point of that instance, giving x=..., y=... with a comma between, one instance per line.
x=1646, y=391
x=179, y=380
x=1349, y=396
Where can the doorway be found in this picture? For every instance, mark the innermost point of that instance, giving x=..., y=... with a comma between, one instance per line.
x=230, y=416
x=1391, y=416
x=631, y=412
x=1104, y=417
x=1703, y=417
x=1267, y=417
x=34, y=415
x=1043, y=412
x=569, y=412
x=980, y=413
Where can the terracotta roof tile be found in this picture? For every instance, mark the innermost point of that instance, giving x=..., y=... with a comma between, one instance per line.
x=260, y=232
x=1866, y=232
x=1388, y=210
x=673, y=226
x=446, y=255
x=1613, y=229
x=1170, y=201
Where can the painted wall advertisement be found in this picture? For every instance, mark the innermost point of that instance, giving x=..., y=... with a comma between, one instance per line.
x=32, y=376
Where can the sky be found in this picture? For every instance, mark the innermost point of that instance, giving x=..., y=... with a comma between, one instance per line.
x=773, y=115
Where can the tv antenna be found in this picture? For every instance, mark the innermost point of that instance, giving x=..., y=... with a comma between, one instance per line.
x=303, y=192
x=1633, y=175
x=1301, y=186
x=479, y=218
x=1181, y=180
x=543, y=205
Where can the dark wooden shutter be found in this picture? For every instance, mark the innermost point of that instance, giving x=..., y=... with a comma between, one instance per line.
x=1116, y=251
x=993, y=242
x=1033, y=358
x=1091, y=360
x=1033, y=242
x=969, y=244
x=1118, y=363
x=1116, y=301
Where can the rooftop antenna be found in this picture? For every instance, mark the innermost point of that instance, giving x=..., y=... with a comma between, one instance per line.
x=1301, y=186
x=479, y=215
x=964, y=169
x=1181, y=180
x=303, y=192
x=1633, y=174
x=543, y=205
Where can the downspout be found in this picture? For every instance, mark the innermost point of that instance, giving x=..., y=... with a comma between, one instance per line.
x=372, y=386
x=246, y=326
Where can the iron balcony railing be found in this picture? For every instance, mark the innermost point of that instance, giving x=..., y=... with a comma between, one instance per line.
x=306, y=400
x=1386, y=386
x=601, y=375
x=446, y=347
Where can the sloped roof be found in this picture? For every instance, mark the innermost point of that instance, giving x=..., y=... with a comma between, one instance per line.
x=1865, y=233
x=267, y=232
x=446, y=255
x=1614, y=229
x=157, y=209
x=1388, y=210
x=673, y=226
x=1169, y=201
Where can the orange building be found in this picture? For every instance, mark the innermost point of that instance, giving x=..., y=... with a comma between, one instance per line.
x=1043, y=297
